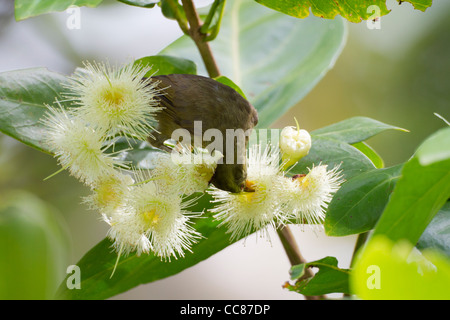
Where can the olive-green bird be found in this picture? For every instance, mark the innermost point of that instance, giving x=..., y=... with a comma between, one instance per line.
x=188, y=98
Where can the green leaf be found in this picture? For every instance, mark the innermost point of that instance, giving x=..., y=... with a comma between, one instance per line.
x=435, y=148
x=421, y=5
x=168, y=12
x=359, y=203
x=167, y=65
x=264, y=67
x=33, y=245
x=228, y=82
x=213, y=20
x=354, y=129
x=23, y=94
x=328, y=279
x=298, y=271
x=437, y=234
x=370, y=153
x=352, y=10
x=29, y=8
x=388, y=270
x=141, y=3
x=334, y=153
x=419, y=194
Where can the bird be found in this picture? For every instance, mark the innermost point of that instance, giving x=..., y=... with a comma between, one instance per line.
x=187, y=98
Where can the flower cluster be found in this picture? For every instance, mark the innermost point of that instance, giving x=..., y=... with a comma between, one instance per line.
x=271, y=198
x=147, y=209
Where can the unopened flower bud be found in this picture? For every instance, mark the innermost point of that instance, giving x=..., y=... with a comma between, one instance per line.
x=295, y=143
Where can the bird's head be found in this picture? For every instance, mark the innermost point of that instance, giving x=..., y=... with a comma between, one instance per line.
x=230, y=177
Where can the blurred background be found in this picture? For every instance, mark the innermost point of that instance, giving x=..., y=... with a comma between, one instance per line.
x=399, y=74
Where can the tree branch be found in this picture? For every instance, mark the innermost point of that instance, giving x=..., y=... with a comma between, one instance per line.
x=199, y=38
x=360, y=241
x=294, y=255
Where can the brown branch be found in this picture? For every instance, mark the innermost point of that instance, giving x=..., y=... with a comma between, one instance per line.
x=199, y=38
x=360, y=242
x=295, y=257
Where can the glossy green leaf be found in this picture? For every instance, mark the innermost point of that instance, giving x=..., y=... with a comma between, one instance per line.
x=419, y=194
x=435, y=148
x=329, y=279
x=387, y=270
x=354, y=129
x=249, y=49
x=228, y=82
x=167, y=65
x=370, y=153
x=29, y=8
x=437, y=234
x=359, y=203
x=168, y=12
x=140, y=3
x=352, y=10
x=23, y=95
x=33, y=245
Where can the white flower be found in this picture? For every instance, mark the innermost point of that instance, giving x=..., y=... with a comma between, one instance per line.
x=79, y=148
x=184, y=171
x=157, y=216
x=295, y=143
x=128, y=233
x=259, y=206
x=117, y=100
x=307, y=196
x=110, y=194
